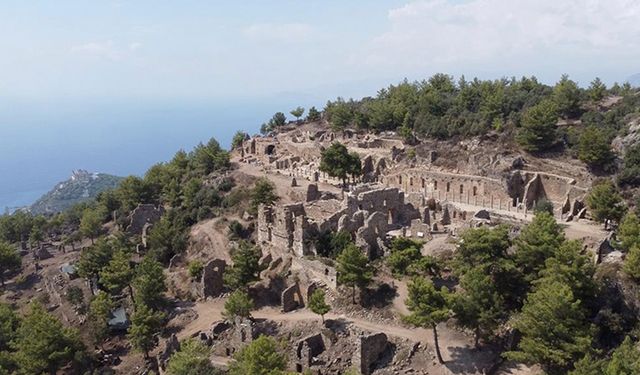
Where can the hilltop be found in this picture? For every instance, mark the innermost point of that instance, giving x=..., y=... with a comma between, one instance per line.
x=80, y=187
x=396, y=234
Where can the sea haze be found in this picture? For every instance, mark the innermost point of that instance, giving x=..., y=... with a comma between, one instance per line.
x=41, y=143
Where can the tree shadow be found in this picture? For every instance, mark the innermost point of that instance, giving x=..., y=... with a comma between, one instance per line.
x=469, y=360
x=380, y=297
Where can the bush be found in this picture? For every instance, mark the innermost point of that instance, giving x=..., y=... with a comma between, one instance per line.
x=195, y=269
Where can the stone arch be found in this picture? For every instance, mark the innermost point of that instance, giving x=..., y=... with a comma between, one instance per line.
x=270, y=149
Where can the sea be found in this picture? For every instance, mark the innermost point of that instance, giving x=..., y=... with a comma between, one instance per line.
x=42, y=142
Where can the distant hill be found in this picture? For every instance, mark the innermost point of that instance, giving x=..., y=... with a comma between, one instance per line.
x=634, y=80
x=80, y=187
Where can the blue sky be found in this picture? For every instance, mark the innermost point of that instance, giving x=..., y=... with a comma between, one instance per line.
x=239, y=49
x=117, y=85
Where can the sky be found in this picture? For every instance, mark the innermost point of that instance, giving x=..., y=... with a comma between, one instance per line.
x=257, y=48
x=117, y=85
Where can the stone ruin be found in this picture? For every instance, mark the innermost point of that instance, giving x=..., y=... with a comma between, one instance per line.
x=368, y=213
x=211, y=283
x=141, y=216
x=368, y=350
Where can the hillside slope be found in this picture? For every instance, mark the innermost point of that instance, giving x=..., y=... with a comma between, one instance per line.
x=81, y=186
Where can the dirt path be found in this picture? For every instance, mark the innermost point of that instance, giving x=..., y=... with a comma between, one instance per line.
x=457, y=348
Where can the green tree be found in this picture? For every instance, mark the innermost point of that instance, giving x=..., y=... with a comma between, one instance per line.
x=632, y=263
x=209, y=158
x=238, y=139
x=166, y=239
x=246, y=266
x=571, y=266
x=588, y=366
x=629, y=231
x=538, y=130
x=317, y=303
x=91, y=223
x=404, y=253
x=597, y=90
x=337, y=162
x=313, y=115
x=594, y=147
x=100, y=310
x=238, y=304
x=94, y=258
x=428, y=307
x=9, y=323
x=195, y=269
x=605, y=202
x=278, y=119
x=554, y=329
x=43, y=344
x=261, y=357
x=36, y=236
x=149, y=283
x=118, y=273
x=191, y=359
x=354, y=269
x=145, y=326
x=263, y=192
x=297, y=113
x=479, y=306
x=536, y=243
x=566, y=95
x=625, y=360
x=75, y=296
x=10, y=260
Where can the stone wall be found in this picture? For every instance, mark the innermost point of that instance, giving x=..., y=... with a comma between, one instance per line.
x=142, y=215
x=368, y=350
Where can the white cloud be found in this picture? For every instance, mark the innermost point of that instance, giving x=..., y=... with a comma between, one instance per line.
x=441, y=34
x=134, y=46
x=279, y=32
x=105, y=50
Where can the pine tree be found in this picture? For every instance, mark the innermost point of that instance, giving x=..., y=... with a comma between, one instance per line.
x=118, y=273
x=238, y=304
x=569, y=265
x=149, y=283
x=605, y=202
x=91, y=223
x=354, y=269
x=629, y=231
x=10, y=260
x=317, y=303
x=594, y=147
x=337, y=162
x=191, y=359
x=554, y=328
x=145, y=326
x=632, y=263
x=536, y=243
x=100, y=310
x=261, y=357
x=479, y=306
x=263, y=192
x=297, y=113
x=625, y=360
x=246, y=266
x=43, y=344
x=538, y=130
x=428, y=307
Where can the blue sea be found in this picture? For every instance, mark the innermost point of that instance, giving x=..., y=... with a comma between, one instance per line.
x=41, y=142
